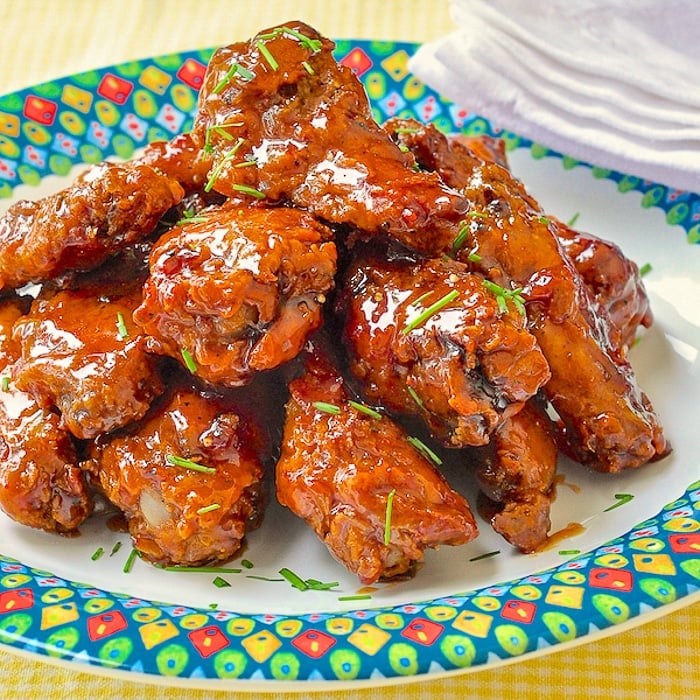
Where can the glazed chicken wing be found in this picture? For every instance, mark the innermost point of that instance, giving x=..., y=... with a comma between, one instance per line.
x=79, y=227
x=239, y=289
x=41, y=484
x=284, y=121
x=609, y=423
x=81, y=352
x=187, y=477
x=464, y=366
x=341, y=467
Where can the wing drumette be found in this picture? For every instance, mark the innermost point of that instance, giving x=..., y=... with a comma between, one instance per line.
x=41, y=484
x=187, y=477
x=370, y=495
x=239, y=289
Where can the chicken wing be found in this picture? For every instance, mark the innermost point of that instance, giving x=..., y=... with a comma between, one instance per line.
x=465, y=366
x=187, y=477
x=41, y=484
x=238, y=289
x=108, y=206
x=371, y=496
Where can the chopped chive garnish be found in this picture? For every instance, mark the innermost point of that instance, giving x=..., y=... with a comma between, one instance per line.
x=188, y=360
x=312, y=44
x=645, y=269
x=326, y=407
x=415, y=396
x=191, y=220
x=129, y=563
x=246, y=163
x=424, y=449
x=505, y=295
x=247, y=564
x=267, y=55
x=316, y=585
x=307, y=67
x=568, y=552
x=421, y=298
x=97, y=553
x=5, y=383
x=213, y=606
x=296, y=581
x=189, y=464
x=461, y=237
x=203, y=569
x=121, y=326
x=622, y=498
x=246, y=189
x=474, y=257
x=363, y=596
x=406, y=130
x=220, y=165
x=432, y=309
x=225, y=80
x=115, y=549
x=572, y=221
x=208, y=509
x=404, y=148
x=244, y=72
x=221, y=582
x=543, y=220
x=486, y=555
x=478, y=215
x=365, y=409
x=387, y=516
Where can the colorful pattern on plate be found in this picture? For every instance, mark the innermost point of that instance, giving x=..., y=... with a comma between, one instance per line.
x=85, y=118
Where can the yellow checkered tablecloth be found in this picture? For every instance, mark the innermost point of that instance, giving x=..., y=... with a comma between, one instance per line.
x=42, y=39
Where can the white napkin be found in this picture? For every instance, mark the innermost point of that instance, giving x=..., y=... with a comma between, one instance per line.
x=610, y=82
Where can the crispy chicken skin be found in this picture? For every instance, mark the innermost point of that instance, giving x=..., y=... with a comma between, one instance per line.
x=608, y=422
x=516, y=474
x=306, y=123
x=107, y=206
x=465, y=368
x=240, y=290
x=338, y=469
x=178, y=515
x=77, y=356
x=41, y=484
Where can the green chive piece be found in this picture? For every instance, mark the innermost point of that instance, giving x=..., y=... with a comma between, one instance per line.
x=326, y=407
x=248, y=163
x=366, y=410
x=404, y=148
x=267, y=55
x=306, y=41
x=415, y=396
x=265, y=578
x=432, y=309
x=246, y=189
x=461, y=237
x=421, y=298
x=129, y=563
x=478, y=215
x=364, y=596
x=486, y=555
x=316, y=585
x=244, y=72
x=204, y=569
x=189, y=464
x=387, y=516
x=424, y=450
x=220, y=165
x=122, y=330
x=5, y=383
x=572, y=221
x=622, y=499
x=307, y=67
x=115, y=549
x=191, y=220
x=213, y=606
x=97, y=553
x=225, y=80
x=543, y=220
x=505, y=295
x=247, y=564
x=208, y=509
x=221, y=582
x=188, y=360
x=568, y=552
x=645, y=269
x=474, y=257
x=296, y=581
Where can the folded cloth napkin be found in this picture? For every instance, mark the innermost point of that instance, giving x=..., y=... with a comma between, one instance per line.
x=610, y=82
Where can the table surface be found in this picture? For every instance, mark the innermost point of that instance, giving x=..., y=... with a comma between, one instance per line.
x=43, y=39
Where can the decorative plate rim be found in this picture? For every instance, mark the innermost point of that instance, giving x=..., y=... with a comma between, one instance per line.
x=47, y=129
